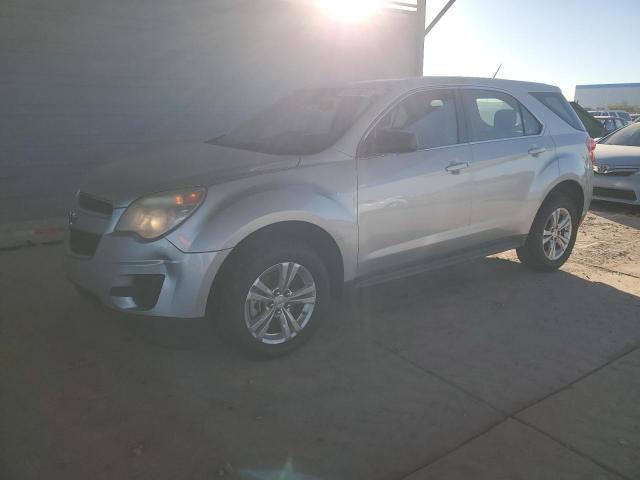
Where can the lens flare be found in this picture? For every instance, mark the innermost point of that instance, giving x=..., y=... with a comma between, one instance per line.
x=350, y=11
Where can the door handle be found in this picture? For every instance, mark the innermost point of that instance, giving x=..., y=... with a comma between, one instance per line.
x=535, y=151
x=455, y=167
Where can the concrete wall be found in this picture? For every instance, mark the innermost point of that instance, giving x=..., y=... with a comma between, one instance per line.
x=84, y=81
x=601, y=96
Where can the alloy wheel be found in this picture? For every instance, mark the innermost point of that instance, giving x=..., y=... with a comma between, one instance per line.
x=280, y=303
x=557, y=234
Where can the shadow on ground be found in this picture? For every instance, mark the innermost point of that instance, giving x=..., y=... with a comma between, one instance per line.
x=401, y=375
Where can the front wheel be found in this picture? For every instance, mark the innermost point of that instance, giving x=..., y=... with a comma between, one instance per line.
x=276, y=298
x=552, y=235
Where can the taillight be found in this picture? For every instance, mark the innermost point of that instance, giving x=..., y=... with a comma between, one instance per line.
x=591, y=149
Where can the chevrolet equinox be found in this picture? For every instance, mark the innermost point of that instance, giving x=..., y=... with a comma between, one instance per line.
x=357, y=183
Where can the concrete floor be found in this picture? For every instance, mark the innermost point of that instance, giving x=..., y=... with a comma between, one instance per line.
x=481, y=371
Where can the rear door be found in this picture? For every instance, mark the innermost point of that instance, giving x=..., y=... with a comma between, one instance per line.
x=509, y=149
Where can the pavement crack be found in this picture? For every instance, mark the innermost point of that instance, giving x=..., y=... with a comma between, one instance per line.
x=571, y=448
x=441, y=378
x=509, y=416
x=576, y=380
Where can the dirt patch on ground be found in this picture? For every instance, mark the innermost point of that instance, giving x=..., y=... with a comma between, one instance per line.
x=607, y=248
x=606, y=243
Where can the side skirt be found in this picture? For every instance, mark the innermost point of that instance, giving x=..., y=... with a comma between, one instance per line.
x=438, y=263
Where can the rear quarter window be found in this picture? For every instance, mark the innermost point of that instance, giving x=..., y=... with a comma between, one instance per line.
x=555, y=102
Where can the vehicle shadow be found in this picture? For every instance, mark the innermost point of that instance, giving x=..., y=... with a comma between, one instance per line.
x=628, y=215
x=498, y=330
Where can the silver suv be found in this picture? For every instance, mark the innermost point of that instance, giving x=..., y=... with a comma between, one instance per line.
x=358, y=183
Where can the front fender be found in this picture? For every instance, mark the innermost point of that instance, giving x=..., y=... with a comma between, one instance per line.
x=229, y=219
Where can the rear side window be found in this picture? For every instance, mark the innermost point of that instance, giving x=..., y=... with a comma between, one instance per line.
x=494, y=115
x=531, y=124
x=555, y=102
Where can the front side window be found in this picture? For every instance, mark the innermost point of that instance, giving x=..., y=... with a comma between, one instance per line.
x=494, y=115
x=428, y=117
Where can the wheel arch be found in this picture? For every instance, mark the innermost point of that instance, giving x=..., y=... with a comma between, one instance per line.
x=571, y=188
x=315, y=236
x=567, y=185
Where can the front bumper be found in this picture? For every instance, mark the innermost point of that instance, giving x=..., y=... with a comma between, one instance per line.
x=615, y=188
x=117, y=272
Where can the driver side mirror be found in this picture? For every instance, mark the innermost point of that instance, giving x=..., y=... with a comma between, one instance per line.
x=393, y=141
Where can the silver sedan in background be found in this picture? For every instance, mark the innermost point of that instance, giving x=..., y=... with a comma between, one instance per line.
x=617, y=169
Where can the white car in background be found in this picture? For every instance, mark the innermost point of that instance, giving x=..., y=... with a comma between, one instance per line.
x=621, y=114
x=617, y=171
x=610, y=124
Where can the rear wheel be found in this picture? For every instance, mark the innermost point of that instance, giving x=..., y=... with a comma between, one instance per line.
x=275, y=298
x=552, y=235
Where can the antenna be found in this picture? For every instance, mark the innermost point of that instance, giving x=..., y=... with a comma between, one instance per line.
x=499, y=67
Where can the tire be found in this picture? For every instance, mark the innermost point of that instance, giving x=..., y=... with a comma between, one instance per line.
x=265, y=261
x=538, y=256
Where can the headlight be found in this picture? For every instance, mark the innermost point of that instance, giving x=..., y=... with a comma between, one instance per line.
x=153, y=216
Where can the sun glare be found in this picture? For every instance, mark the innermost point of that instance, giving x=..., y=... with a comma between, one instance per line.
x=351, y=11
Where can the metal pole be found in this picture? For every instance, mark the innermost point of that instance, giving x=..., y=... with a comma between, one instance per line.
x=421, y=13
x=438, y=17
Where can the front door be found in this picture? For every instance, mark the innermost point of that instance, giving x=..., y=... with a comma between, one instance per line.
x=413, y=205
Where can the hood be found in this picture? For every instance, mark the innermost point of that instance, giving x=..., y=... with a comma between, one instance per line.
x=167, y=167
x=617, y=155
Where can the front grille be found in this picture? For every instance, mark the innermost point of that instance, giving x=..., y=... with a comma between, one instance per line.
x=83, y=243
x=613, y=173
x=95, y=205
x=614, y=193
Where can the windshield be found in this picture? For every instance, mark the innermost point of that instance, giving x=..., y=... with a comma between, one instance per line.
x=303, y=123
x=629, y=135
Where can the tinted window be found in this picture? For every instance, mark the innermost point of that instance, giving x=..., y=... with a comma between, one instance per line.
x=303, y=123
x=492, y=115
x=626, y=136
x=609, y=124
x=624, y=116
x=555, y=102
x=430, y=116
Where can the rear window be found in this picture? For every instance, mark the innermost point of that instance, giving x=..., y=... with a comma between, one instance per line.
x=555, y=102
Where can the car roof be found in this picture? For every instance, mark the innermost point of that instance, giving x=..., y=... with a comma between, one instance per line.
x=417, y=82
